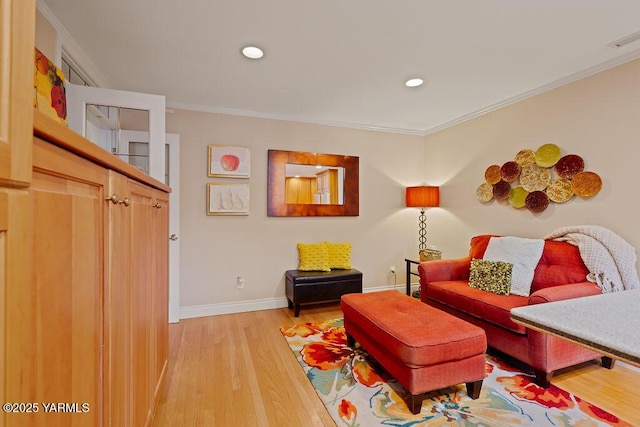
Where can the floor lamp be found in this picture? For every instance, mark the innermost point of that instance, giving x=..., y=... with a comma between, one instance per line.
x=422, y=197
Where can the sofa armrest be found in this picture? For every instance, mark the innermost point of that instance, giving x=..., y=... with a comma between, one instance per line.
x=563, y=292
x=443, y=270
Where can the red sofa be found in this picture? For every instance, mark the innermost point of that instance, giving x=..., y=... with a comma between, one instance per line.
x=559, y=275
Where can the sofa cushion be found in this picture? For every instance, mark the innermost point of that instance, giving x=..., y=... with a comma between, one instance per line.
x=560, y=264
x=479, y=245
x=523, y=253
x=490, y=276
x=484, y=305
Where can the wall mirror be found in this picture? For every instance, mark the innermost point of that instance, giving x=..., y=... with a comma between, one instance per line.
x=312, y=184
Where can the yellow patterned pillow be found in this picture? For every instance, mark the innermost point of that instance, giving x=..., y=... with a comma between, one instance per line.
x=313, y=257
x=339, y=255
x=491, y=276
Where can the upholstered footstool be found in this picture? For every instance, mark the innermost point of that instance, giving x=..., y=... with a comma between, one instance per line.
x=424, y=348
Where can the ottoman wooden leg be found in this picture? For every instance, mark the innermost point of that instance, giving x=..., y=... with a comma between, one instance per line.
x=351, y=341
x=473, y=389
x=414, y=402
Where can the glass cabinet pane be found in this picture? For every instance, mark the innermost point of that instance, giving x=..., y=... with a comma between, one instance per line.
x=121, y=131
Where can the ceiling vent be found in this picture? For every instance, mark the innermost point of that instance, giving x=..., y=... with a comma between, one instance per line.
x=625, y=40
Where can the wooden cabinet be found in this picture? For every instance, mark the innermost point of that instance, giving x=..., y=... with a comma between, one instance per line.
x=300, y=190
x=83, y=276
x=17, y=19
x=84, y=286
x=105, y=279
x=327, y=192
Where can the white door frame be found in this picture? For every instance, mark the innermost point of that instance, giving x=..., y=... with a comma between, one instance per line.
x=173, y=140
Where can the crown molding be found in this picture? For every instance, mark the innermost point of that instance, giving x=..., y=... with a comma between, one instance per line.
x=619, y=60
x=284, y=117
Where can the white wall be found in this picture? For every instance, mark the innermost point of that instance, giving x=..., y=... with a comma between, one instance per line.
x=216, y=249
x=597, y=118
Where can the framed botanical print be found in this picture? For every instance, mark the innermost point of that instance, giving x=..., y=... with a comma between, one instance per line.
x=228, y=161
x=227, y=199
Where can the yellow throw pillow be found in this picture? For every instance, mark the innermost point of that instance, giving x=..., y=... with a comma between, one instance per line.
x=313, y=257
x=339, y=255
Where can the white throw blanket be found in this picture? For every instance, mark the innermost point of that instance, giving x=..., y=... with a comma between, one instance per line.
x=610, y=259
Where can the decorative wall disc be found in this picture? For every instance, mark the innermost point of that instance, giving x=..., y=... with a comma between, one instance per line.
x=560, y=191
x=586, y=184
x=537, y=201
x=569, y=165
x=547, y=155
x=492, y=174
x=517, y=197
x=525, y=157
x=534, y=177
x=501, y=190
x=510, y=171
x=485, y=192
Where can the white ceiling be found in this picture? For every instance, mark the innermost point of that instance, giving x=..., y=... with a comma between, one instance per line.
x=344, y=61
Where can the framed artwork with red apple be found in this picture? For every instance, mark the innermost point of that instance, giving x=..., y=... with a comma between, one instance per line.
x=229, y=161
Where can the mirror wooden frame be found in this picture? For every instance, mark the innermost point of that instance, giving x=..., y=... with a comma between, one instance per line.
x=276, y=191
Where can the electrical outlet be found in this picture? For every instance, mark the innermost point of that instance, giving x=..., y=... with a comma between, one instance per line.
x=240, y=282
x=393, y=269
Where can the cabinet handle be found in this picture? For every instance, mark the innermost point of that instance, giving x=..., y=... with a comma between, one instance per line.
x=173, y=237
x=115, y=199
x=157, y=205
x=126, y=201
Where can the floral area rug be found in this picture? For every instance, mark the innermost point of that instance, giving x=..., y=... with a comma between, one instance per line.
x=358, y=392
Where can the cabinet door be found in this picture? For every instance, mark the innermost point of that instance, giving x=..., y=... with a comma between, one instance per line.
x=16, y=90
x=142, y=255
x=137, y=303
x=67, y=203
x=118, y=304
x=17, y=359
x=160, y=291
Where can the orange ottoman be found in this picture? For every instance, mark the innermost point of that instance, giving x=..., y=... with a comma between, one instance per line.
x=424, y=348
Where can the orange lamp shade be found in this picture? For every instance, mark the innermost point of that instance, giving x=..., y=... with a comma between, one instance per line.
x=423, y=197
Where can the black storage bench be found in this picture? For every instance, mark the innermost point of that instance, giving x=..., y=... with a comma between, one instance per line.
x=304, y=287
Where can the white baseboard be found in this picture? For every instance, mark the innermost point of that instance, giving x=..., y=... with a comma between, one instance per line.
x=192, y=311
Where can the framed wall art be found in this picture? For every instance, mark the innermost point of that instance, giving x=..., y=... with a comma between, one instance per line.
x=228, y=161
x=227, y=199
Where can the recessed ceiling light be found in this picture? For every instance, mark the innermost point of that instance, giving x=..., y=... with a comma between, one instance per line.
x=413, y=82
x=252, y=52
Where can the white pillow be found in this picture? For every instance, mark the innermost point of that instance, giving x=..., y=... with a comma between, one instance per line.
x=523, y=253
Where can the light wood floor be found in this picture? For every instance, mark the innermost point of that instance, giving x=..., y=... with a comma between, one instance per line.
x=237, y=370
